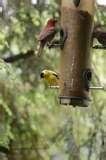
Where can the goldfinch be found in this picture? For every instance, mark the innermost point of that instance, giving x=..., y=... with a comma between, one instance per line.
x=51, y=77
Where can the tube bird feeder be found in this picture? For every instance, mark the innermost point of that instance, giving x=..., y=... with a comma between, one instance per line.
x=77, y=20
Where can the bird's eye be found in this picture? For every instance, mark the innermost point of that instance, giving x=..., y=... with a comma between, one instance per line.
x=42, y=75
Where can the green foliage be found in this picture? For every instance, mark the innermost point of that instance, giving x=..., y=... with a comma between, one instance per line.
x=7, y=83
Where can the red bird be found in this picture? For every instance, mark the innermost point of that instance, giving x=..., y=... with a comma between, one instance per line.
x=47, y=34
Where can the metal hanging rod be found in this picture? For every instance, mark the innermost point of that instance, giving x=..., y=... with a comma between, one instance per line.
x=92, y=87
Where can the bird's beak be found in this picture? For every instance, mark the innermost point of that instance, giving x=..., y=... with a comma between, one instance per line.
x=42, y=75
x=56, y=20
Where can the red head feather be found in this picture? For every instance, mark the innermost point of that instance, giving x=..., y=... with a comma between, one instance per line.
x=51, y=22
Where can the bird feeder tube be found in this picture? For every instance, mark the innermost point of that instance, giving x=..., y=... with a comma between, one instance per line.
x=77, y=20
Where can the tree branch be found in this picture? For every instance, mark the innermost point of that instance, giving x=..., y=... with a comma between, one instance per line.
x=99, y=32
x=102, y=151
x=99, y=47
x=20, y=56
x=102, y=8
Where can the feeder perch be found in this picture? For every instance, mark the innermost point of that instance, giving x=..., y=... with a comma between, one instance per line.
x=75, y=56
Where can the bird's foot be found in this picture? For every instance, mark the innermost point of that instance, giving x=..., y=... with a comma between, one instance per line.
x=53, y=87
x=54, y=44
x=59, y=43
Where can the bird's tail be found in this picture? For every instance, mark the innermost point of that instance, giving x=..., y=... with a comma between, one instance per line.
x=40, y=50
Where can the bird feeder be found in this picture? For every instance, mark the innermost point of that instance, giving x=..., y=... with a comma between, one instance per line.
x=77, y=20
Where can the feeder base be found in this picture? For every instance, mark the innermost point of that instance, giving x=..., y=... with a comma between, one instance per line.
x=75, y=101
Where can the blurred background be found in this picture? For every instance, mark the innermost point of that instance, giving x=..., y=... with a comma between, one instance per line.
x=33, y=126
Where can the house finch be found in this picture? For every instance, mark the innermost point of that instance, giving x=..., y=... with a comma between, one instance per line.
x=47, y=34
x=51, y=77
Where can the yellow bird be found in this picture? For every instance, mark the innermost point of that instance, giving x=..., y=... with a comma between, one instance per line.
x=51, y=77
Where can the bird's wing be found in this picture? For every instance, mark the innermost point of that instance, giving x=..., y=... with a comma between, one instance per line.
x=56, y=75
x=46, y=32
